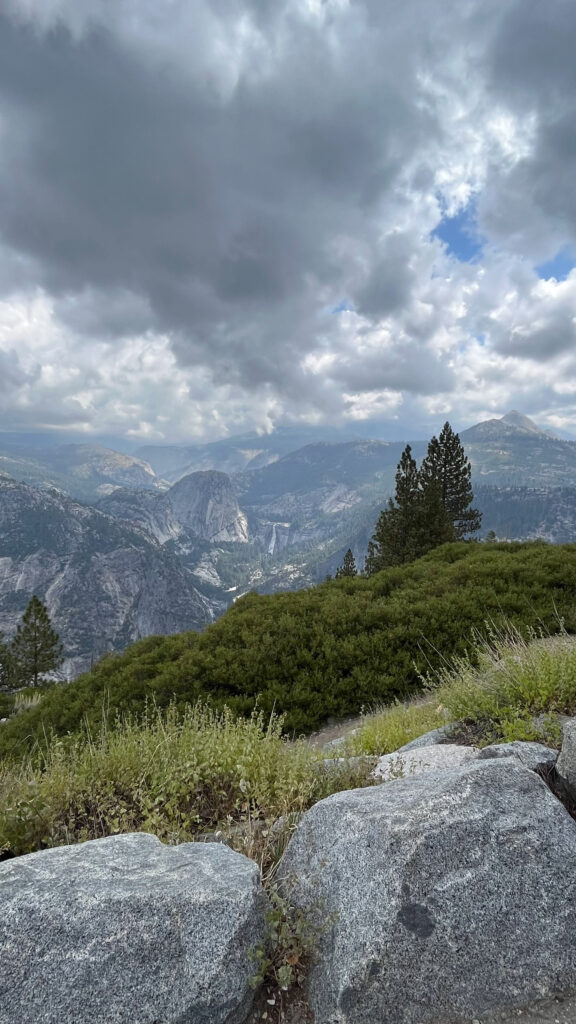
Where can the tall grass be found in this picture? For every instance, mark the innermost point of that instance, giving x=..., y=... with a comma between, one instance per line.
x=514, y=689
x=26, y=699
x=512, y=686
x=175, y=775
x=386, y=729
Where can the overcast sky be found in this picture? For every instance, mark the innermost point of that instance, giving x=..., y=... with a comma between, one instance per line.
x=220, y=215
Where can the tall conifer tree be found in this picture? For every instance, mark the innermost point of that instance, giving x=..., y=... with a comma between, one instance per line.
x=6, y=665
x=348, y=567
x=401, y=531
x=445, y=475
x=430, y=506
x=36, y=648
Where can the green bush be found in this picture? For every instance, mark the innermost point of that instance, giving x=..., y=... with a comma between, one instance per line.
x=325, y=652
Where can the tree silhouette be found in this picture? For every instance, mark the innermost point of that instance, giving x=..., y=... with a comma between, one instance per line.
x=412, y=523
x=6, y=665
x=348, y=567
x=430, y=507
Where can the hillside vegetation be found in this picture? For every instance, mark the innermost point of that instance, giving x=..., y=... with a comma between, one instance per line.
x=326, y=652
x=183, y=775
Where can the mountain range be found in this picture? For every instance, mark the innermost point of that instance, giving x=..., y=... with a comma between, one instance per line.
x=121, y=546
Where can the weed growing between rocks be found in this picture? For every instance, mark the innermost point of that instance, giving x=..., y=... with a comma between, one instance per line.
x=282, y=962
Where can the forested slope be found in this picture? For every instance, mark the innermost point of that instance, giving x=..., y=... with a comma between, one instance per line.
x=326, y=651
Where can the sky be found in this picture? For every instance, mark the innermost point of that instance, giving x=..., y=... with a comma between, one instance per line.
x=219, y=216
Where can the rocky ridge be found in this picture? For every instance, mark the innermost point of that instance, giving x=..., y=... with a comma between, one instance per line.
x=105, y=582
x=444, y=896
x=84, y=471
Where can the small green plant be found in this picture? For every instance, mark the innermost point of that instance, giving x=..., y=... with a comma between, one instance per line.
x=178, y=774
x=283, y=960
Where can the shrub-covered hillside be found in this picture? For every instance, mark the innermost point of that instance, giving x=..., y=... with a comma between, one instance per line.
x=328, y=651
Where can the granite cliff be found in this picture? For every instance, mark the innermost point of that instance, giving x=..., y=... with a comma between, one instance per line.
x=105, y=582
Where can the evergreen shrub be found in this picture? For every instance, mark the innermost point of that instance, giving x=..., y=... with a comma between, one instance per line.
x=325, y=652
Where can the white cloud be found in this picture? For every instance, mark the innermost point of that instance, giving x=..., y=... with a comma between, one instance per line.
x=190, y=190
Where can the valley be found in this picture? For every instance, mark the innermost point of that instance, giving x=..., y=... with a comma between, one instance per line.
x=118, y=551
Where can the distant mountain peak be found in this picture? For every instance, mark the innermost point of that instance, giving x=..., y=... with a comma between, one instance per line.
x=513, y=425
x=523, y=423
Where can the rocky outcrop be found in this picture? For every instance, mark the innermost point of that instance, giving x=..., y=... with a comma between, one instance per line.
x=440, y=898
x=566, y=764
x=445, y=897
x=202, y=506
x=126, y=930
x=205, y=504
x=429, y=739
x=151, y=511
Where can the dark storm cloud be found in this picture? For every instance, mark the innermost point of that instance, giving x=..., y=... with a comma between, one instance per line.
x=12, y=375
x=389, y=286
x=216, y=214
x=532, y=72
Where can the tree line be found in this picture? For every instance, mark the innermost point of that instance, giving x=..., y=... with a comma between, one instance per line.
x=432, y=505
x=34, y=650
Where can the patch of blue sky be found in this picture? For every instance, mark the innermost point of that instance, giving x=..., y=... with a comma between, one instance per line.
x=559, y=266
x=460, y=235
x=344, y=306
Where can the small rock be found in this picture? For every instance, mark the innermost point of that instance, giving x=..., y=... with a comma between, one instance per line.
x=534, y=756
x=429, y=739
x=340, y=740
x=424, y=759
x=342, y=764
x=566, y=763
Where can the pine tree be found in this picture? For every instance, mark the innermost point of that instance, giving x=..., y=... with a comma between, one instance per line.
x=403, y=529
x=430, y=506
x=6, y=666
x=36, y=648
x=348, y=567
x=445, y=477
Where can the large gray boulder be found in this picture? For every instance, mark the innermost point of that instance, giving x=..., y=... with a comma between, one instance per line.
x=126, y=930
x=422, y=759
x=440, y=898
x=566, y=763
x=534, y=756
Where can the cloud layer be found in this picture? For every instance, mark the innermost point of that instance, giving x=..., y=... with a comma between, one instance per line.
x=220, y=215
